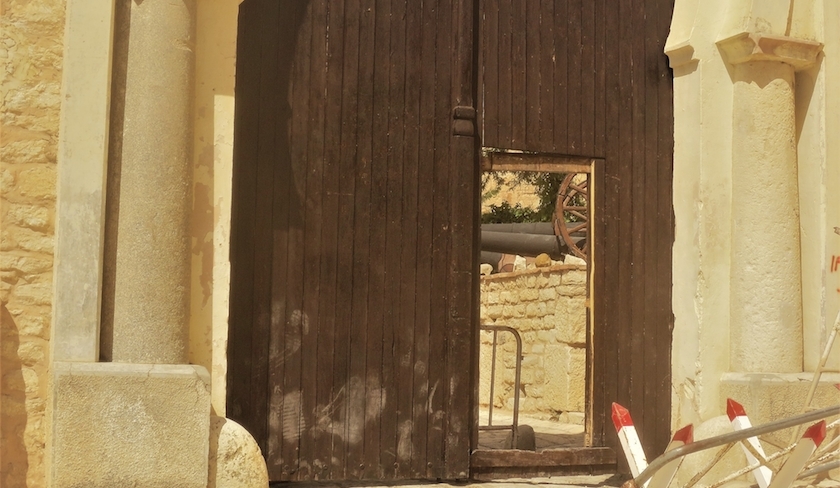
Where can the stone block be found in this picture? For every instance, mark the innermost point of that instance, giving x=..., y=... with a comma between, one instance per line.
x=117, y=424
x=513, y=311
x=494, y=312
x=529, y=294
x=576, y=378
x=33, y=294
x=565, y=388
x=546, y=337
x=7, y=181
x=235, y=458
x=575, y=277
x=25, y=264
x=532, y=310
x=572, y=290
x=32, y=352
x=37, y=182
x=571, y=328
x=30, y=216
x=547, y=294
x=7, y=243
x=31, y=240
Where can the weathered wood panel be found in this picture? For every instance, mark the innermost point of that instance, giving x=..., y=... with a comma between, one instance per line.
x=353, y=326
x=588, y=79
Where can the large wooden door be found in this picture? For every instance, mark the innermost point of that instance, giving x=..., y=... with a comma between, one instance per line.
x=353, y=308
x=582, y=80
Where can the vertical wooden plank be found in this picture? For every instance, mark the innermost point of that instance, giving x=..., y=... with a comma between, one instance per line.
x=517, y=93
x=574, y=79
x=635, y=22
x=624, y=322
x=359, y=339
x=532, y=75
x=424, y=390
x=328, y=384
x=649, y=54
x=600, y=77
x=462, y=325
x=296, y=321
x=561, y=77
x=546, y=69
x=587, y=77
x=505, y=73
x=440, y=238
x=664, y=220
x=396, y=433
x=408, y=358
x=346, y=342
x=310, y=320
x=376, y=381
x=611, y=353
x=268, y=108
x=240, y=407
x=490, y=94
x=283, y=208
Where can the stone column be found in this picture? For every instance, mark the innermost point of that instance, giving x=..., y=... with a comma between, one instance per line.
x=766, y=294
x=150, y=195
x=143, y=419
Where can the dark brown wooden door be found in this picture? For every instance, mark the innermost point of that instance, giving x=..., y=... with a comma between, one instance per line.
x=589, y=79
x=353, y=308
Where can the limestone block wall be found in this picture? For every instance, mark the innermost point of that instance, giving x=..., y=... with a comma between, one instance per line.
x=548, y=308
x=31, y=49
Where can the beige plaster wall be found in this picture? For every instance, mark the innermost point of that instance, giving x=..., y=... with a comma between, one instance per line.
x=818, y=122
x=702, y=192
x=31, y=48
x=215, y=64
x=547, y=306
x=703, y=158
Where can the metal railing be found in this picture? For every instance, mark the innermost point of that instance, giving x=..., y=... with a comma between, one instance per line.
x=514, y=426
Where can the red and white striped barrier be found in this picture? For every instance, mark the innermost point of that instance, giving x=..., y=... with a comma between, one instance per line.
x=740, y=421
x=663, y=477
x=797, y=459
x=629, y=439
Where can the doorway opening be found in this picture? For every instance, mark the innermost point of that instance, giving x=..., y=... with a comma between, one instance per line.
x=535, y=357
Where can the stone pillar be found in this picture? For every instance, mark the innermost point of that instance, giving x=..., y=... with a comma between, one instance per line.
x=766, y=284
x=144, y=419
x=150, y=196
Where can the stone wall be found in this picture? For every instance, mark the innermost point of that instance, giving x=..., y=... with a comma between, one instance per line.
x=547, y=306
x=31, y=36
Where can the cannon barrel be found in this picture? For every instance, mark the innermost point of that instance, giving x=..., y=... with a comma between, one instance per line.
x=523, y=244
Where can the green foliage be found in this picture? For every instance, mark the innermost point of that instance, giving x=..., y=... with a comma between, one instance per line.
x=507, y=213
x=547, y=185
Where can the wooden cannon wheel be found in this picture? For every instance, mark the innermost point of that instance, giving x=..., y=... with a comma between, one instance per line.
x=571, y=213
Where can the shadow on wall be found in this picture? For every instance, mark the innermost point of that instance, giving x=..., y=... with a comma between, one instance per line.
x=13, y=456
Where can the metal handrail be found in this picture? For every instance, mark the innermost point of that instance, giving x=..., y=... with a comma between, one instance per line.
x=731, y=437
x=514, y=434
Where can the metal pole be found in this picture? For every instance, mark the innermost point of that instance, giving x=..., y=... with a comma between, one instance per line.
x=721, y=440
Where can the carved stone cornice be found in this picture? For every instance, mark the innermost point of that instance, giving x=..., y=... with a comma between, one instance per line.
x=749, y=46
x=680, y=54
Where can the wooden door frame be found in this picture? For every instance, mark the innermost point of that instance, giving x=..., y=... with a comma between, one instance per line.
x=494, y=464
